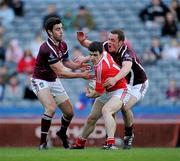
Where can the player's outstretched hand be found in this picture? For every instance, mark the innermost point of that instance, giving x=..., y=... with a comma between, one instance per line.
x=87, y=75
x=81, y=36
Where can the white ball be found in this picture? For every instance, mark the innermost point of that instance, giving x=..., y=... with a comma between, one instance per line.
x=118, y=142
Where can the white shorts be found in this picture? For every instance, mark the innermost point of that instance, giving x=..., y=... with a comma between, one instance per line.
x=138, y=90
x=56, y=88
x=121, y=93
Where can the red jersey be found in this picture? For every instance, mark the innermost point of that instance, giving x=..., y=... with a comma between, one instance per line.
x=107, y=68
x=26, y=65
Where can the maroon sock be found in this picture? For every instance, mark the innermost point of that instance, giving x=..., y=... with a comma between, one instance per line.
x=65, y=121
x=45, y=125
x=128, y=131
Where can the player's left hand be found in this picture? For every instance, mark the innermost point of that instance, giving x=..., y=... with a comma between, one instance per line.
x=91, y=93
x=110, y=82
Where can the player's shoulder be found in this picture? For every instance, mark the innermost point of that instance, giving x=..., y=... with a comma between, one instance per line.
x=44, y=46
x=126, y=50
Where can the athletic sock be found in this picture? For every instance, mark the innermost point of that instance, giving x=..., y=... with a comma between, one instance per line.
x=128, y=131
x=65, y=121
x=110, y=141
x=45, y=125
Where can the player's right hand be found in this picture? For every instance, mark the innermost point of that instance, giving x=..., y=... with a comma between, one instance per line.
x=109, y=82
x=87, y=75
x=81, y=36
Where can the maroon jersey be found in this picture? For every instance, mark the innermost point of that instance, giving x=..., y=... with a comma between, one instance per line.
x=49, y=54
x=137, y=74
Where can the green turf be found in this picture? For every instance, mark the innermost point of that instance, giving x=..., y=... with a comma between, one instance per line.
x=90, y=154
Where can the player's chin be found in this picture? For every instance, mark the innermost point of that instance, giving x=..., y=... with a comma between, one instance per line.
x=111, y=49
x=60, y=37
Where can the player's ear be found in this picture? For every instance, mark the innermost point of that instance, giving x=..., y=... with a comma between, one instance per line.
x=50, y=32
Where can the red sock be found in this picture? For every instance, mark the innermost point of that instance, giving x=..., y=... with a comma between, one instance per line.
x=80, y=142
x=110, y=141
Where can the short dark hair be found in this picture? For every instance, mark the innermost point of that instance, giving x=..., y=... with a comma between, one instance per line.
x=120, y=34
x=50, y=22
x=96, y=46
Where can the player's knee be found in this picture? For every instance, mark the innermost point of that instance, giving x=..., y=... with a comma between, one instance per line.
x=50, y=111
x=69, y=115
x=125, y=108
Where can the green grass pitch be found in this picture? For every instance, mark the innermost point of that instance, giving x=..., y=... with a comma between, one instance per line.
x=90, y=154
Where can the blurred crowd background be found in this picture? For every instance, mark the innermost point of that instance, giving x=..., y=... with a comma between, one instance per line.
x=152, y=29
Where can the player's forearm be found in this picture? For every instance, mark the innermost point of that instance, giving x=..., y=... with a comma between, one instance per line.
x=70, y=64
x=65, y=74
x=85, y=43
x=126, y=68
x=123, y=73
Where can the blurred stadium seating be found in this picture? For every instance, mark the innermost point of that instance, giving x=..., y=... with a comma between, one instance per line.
x=108, y=14
x=155, y=114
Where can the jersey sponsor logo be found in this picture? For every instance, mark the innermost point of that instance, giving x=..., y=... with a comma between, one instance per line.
x=51, y=56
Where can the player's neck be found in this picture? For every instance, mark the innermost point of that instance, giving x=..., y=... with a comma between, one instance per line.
x=54, y=41
x=120, y=46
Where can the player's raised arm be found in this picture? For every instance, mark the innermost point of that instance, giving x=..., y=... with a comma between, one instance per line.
x=59, y=69
x=82, y=38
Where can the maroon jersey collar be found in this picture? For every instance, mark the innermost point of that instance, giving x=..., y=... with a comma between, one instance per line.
x=52, y=42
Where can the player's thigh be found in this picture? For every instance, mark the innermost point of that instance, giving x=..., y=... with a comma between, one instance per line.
x=45, y=97
x=61, y=97
x=66, y=108
x=96, y=111
x=113, y=105
x=43, y=92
